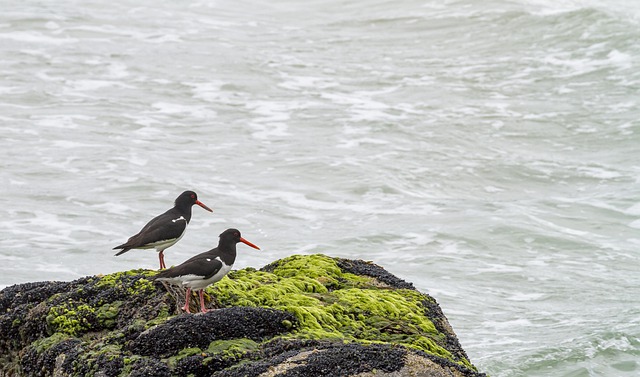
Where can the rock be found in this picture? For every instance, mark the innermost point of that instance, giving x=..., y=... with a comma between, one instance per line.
x=299, y=316
x=222, y=324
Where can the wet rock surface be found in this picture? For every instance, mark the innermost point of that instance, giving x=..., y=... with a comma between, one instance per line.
x=360, y=267
x=199, y=330
x=299, y=316
x=328, y=360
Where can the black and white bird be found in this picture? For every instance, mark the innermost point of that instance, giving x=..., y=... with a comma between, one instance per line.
x=206, y=268
x=164, y=230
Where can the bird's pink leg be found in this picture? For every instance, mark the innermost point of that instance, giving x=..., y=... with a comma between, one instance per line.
x=186, y=304
x=202, y=308
x=161, y=257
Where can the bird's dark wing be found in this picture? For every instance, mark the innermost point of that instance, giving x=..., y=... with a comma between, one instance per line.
x=200, y=265
x=170, y=225
x=211, y=254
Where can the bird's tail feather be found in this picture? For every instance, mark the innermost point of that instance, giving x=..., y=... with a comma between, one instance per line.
x=121, y=251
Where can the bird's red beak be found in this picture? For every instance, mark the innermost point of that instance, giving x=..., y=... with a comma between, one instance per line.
x=203, y=206
x=249, y=243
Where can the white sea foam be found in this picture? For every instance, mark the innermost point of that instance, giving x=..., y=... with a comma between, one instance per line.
x=91, y=85
x=36, y=38
x=633, y=210
x=69, y=144
x=306, y=82
x=208, y=91
x=196, y=111
x=526, y=297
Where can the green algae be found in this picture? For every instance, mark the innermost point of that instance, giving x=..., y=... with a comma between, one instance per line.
x=108, y=313
x=332, y=304
x=235, y=348
x=310, y=270
x=186, y=352
x=74, y=317
x=128, y=363
x=121, y=280
x=162, y=316
x=70, y=318
x=44, y=344
x=112, y=351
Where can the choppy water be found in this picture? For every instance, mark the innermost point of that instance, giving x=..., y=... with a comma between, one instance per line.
x=489, y=152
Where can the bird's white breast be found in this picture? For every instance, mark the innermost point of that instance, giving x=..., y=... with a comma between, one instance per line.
x=164, y=244
x=196, y=282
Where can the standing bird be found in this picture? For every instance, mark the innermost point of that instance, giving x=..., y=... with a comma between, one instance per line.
x=206, y=268
x=164, y=230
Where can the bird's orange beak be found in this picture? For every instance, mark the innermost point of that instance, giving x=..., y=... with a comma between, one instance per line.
x=203, y=206
x=249, y=243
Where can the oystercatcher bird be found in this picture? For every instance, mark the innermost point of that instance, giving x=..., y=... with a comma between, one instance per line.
x=206, y=268
x=164, y=230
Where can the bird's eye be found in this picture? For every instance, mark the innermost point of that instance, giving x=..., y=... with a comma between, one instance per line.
x=237, y=234
x=193, y=196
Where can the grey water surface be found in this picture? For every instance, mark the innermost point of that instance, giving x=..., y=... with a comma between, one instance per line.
x=488, y=152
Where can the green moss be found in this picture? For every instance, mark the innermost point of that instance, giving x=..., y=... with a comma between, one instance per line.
x=70, y=318
x=114, y=336
x=163, y=316
x=142, y=286
x=128, y=362
x=318, y=268
x=234, y=348
x=98, y=349
x=108, y=313
x=186, y=352
x=44, y=344
x=74, y=318
x=330, y=303
x=122, y=280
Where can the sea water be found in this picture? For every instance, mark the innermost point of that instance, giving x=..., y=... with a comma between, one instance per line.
x=488, y=152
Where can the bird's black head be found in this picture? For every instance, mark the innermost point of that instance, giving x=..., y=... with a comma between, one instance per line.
x=233, y=236
x=189, y=198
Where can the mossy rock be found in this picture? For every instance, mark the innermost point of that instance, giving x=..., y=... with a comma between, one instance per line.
x=298, y=316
